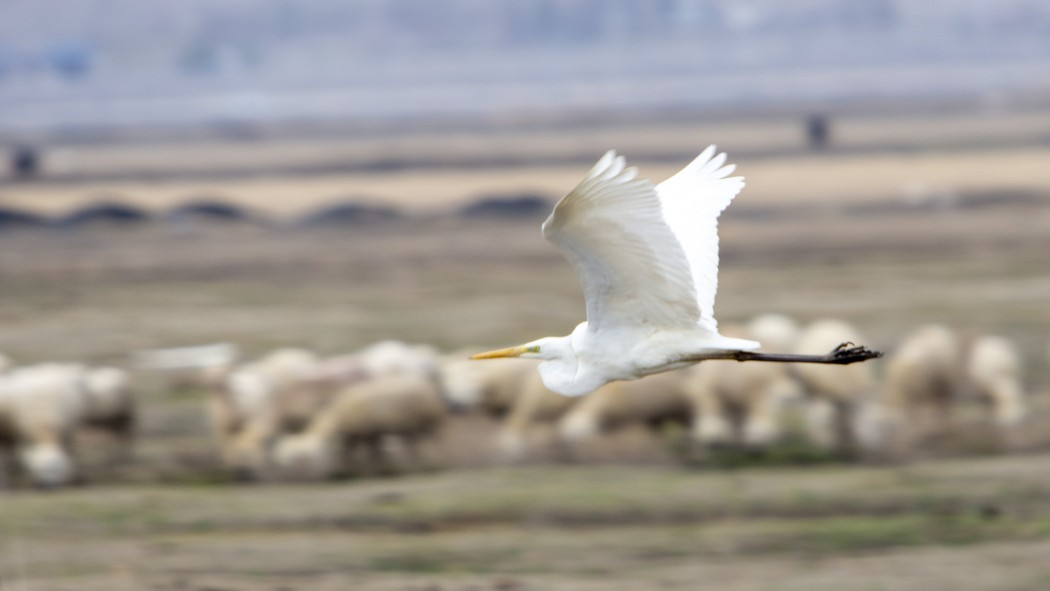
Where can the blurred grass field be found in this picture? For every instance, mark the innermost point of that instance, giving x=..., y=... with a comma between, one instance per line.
x=950, y=227
x=972, y=524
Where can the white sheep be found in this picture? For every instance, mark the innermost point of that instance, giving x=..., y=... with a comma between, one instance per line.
x=491, y=387
x=296, y=405
x=743, y=403
x=254, y=405
x=740, y=403
x=651, y=401
x=776, y=332
x=109, y=401
x=282, y=392
x=40, y=408
x=933, y=370
x=994, y=372
x=536, y=405
x=337, y=371
x=398, y=358
x=836, y=391
x=49, y=463
x=409, y=407
x=922, y=378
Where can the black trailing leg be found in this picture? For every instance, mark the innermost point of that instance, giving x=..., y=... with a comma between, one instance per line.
x=844, y=354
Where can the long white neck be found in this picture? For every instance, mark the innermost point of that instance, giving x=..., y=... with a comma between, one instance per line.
x=563, y=371
x=559, y=362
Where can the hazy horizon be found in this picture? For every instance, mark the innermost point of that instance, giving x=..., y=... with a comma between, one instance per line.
x=117, y=63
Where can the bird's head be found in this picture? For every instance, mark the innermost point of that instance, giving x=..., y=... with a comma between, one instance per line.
x=561, y=368
x=548, y=349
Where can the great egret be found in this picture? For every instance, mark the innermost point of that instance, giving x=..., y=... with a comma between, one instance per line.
x=647, y=256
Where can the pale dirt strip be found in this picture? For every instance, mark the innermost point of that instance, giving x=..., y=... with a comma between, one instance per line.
x=804, y=179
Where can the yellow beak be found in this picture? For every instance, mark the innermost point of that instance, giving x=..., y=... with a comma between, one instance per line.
x=508, y=352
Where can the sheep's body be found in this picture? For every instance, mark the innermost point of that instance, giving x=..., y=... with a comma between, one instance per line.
x=922, y=378
x=40, y=408
x=492, y=387
x=834, y=391
x=284, y=391
x=741, y=403
x=405, y=406
x=777, y=332
x=311, y=392
x=535, y=405
x=650, y=401
x=994, y=371
x=109, y=402
x=248, y=391
x=261, y=400
x=254, y=385
x=933, y=370
x=387, y=358
x=335, y=372
x=833, y=382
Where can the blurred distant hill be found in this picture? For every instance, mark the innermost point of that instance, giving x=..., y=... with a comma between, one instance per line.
x=123, y=62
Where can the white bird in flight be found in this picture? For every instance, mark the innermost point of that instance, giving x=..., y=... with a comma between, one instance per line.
x=647, y=256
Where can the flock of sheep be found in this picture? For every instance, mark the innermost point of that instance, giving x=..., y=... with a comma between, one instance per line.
x=292, y=414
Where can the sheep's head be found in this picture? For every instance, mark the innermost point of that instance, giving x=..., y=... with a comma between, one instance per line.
x=48, y=464
x=304, y=457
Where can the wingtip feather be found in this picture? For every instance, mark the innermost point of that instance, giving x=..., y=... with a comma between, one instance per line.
x=713, y=164
x=603, y=164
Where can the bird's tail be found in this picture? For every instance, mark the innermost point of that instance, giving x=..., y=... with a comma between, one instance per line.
x=732, y=344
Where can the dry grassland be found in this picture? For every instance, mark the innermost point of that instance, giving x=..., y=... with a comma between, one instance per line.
x=811, y=236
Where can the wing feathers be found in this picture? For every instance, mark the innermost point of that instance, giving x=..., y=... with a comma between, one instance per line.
x=611, y=229
x=646, y=254
x=692, y=200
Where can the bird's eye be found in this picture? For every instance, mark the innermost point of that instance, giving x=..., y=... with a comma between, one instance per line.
x=532, y=349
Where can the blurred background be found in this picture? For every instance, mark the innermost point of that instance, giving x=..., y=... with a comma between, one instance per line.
x=245, y=248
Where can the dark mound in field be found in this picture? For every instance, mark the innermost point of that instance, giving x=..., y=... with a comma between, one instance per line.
x=209, y=210
x=1003, y=198
x=107, y=212
x=13, y=218
x=343, y=214
x=526, y=205
x=945, y=201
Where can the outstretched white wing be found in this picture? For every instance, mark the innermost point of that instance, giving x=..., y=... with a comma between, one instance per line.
x=691, y=201
x=612, y=230
x=646, y=254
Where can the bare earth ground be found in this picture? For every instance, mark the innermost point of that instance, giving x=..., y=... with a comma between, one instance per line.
x=956, y=233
